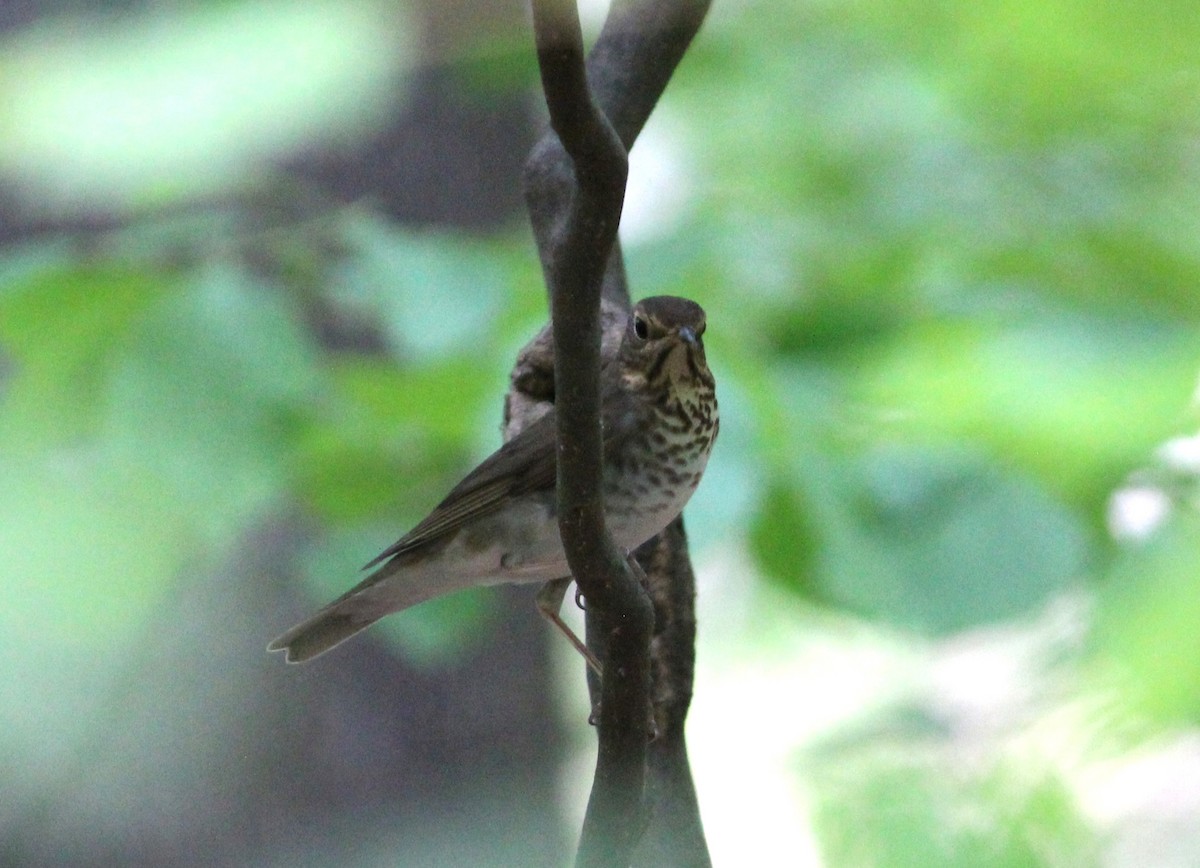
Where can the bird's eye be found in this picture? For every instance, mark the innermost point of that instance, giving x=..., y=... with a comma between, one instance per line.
x=641, y=328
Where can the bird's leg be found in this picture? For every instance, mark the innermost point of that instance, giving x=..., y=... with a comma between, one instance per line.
x=549, y=602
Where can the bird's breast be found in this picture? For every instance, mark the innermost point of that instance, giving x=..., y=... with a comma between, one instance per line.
x=658, y=469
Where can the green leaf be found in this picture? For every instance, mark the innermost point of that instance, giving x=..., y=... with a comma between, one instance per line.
x=432, y=293
x=88, y=548
x=388, y=436
x=1077, y=400
x=933, y=540
x=206, y=392
x=964, y=542
x=63, y=328
x=148, y=411
x=783, y=540
x=917, y=807
x=1147, y=617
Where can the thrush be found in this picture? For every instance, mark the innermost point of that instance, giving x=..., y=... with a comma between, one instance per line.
x=659, y=421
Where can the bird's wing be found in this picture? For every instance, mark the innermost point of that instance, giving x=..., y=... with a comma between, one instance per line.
x=525, y=463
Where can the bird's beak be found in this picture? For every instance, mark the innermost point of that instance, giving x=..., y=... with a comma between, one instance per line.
x=687, y=335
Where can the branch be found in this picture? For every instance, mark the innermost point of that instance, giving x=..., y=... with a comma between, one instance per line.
x=574, y=186
x=636, y=54
x=633, y=59
x=577, y=262
x=675, y=836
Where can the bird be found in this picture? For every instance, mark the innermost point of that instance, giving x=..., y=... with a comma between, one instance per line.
x=659, y=421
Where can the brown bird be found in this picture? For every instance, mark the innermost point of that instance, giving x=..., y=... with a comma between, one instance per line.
x=659, y=421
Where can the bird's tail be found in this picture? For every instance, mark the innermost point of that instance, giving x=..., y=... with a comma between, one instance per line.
x=330, y=627
x=391, y=588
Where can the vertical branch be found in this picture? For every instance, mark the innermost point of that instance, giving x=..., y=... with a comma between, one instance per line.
x=575, y=274
x=574, y=205
x=675, y=835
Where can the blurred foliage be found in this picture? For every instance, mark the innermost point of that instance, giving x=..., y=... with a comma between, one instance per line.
x=190, y=378
x=892, y=810
x=954, y=252
x=950, y=255
x=137, y=111
x=966, y=315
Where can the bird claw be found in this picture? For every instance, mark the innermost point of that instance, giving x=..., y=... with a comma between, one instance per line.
x=549, y=602
x=652, y=732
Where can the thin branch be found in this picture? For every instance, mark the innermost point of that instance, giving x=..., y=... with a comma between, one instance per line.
x=636, y=54
x=640, y=45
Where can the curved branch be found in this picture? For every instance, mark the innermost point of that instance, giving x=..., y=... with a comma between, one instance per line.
x=634, y=57
x=577, y=262
x=574, y=187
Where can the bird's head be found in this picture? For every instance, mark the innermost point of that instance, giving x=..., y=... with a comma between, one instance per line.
x=665, y=339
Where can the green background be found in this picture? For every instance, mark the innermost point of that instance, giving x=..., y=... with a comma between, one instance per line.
x=950, y=256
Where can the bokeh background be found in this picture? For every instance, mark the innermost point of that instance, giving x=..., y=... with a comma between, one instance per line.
x=265, y=271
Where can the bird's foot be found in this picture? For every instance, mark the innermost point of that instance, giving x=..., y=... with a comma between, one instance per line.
x=549, y=602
